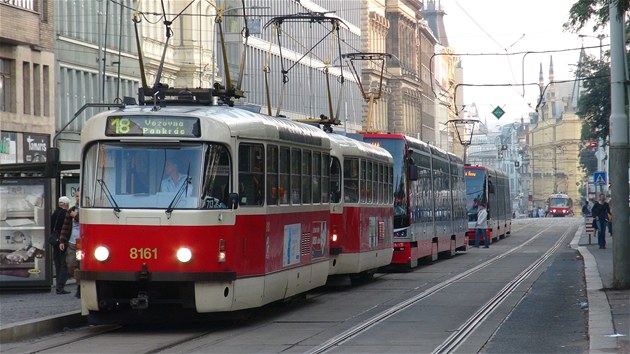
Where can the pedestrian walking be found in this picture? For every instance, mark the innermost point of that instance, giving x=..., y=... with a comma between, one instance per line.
x=70, y=233
x=59, y=258
x=601, y=213
x=482, y=225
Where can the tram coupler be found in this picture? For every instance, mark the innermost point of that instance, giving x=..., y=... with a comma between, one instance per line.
x=141, y=302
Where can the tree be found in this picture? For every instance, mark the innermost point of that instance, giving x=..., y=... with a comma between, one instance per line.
x=597, y=10
x=594, y=104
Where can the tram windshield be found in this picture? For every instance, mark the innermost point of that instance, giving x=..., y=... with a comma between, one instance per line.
x=475, y=190
x=126, y=175
x=559, y=202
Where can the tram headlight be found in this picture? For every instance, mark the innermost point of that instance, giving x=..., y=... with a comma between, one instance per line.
x=101, y=253
x=184, y=255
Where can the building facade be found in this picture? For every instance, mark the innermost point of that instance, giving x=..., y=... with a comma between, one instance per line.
x=27, y=80
x=96, y=62
x=555, y=139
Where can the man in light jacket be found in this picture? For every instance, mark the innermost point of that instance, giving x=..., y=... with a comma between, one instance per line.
x=481, y=226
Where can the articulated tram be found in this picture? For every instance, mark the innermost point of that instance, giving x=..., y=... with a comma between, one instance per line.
x=491, y=187
x=429, y=203
x=218, y=209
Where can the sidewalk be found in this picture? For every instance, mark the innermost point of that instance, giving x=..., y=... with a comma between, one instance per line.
x=609, y=310
x=25, y=315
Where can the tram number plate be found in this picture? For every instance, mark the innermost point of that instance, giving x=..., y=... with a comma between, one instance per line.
x=143, y=253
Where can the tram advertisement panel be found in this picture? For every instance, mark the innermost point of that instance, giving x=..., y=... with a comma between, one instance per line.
x=23, y=219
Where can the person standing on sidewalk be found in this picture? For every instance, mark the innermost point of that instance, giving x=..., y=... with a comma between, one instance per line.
x=59, y=258
x=482, y=225
x=70, y=233
x=601, y=212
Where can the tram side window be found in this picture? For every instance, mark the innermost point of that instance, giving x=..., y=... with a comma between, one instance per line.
x=251, y=174
x=317, y=175
x=335, y=180
x=327, y=180
x=307, y=173
x=390, y=184
x=370, y=183
x=363, y=182
x=285, y=165
x=296, y=191
x=381, y=180
x=351, y=180
x=272, y=175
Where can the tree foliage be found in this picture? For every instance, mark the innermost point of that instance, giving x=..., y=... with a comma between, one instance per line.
x=594, y=103
x=584, y=11
x=593, y=107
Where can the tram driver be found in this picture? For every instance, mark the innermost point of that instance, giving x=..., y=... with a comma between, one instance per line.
x=174, y=180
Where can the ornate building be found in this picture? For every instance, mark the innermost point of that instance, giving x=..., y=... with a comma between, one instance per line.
x=555, y=139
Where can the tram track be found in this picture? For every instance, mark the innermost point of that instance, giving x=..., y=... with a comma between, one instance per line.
x=468, y=327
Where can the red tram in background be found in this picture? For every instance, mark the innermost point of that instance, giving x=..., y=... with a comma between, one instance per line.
x=429, y=213
x=491, y=187
x=560, y=205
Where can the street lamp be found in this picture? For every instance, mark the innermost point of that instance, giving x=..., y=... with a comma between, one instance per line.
x=465, y=129
x=601, y=37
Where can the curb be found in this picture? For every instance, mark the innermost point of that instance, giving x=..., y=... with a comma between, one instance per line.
x=600, y=323
x=41, y=326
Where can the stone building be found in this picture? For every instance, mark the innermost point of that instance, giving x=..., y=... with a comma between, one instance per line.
x=96, y=62
x=555, y=138
x=27, y=80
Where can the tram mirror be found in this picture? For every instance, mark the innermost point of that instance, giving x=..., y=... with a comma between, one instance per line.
x=413, y=171
x=233, y=201
x=490, y=187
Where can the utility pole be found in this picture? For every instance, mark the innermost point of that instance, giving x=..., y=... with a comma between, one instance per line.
x=619, y=150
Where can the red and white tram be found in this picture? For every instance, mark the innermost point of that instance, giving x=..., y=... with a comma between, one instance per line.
x=361, y=207
x=560, y=205
x=209, y=208
x=429, y=212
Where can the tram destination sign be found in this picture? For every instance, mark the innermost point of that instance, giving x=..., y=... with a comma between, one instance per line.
x=162, y=126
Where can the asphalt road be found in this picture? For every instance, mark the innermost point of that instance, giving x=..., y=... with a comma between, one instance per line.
x=542, y=313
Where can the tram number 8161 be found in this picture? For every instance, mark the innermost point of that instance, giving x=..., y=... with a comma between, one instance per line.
x=143, y=253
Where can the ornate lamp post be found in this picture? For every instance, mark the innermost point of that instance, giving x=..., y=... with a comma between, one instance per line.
x=464, y=129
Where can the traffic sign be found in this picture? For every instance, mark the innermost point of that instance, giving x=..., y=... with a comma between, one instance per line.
x=599, y=177
x=498, y=112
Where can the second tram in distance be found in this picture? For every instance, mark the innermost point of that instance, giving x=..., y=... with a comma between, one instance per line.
x=429, y=202
x=560, y=205
x=491, y=187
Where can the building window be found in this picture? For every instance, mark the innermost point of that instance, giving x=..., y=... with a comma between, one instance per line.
x=46, y=88
x=26, y=86
x=6, y=91
x=37, y=90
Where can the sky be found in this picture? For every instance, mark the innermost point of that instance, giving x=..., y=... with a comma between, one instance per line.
x=504, y=27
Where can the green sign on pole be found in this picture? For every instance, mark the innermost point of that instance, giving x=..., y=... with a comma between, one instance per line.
x=498, y=112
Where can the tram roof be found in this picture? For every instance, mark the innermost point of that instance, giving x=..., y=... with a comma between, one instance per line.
x=221, y=123
x=352, y=147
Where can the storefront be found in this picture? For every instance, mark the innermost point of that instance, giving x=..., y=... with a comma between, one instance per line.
x=24, y=254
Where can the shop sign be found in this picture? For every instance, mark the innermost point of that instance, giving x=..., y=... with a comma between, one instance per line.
x=35, y=146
